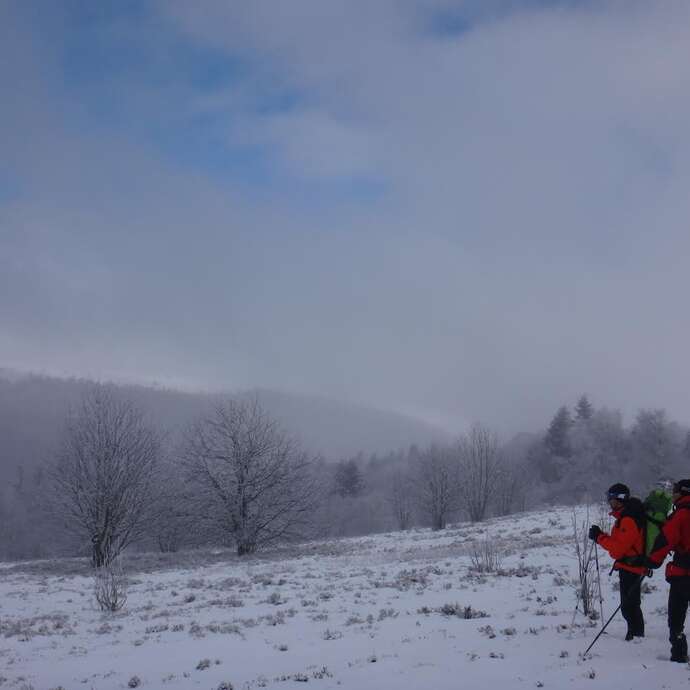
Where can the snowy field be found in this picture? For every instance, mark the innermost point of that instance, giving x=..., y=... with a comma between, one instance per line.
x=399, y=611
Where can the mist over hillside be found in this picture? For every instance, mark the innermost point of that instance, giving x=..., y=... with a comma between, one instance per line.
x=33, y=410
x=376, y=470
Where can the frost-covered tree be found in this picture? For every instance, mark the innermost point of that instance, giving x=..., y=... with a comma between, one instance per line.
x=348, y=479
x=480, y=467
x=251, y=481
x=511, y=490
x=438, y=485
x=104, y=474
x=557, y=439
x=401, y=499
x=652, y=444
x=584, y=409
x=174, y=525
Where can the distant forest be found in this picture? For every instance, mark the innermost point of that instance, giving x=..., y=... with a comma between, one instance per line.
x=371, y=471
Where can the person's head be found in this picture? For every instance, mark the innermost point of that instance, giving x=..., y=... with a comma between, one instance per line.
x=680, y=489
x=617, y=495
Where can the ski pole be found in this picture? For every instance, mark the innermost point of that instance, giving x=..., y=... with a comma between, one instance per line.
x=639, y=582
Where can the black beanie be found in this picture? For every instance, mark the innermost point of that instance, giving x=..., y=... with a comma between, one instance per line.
x=619, y=491
x=682, y=487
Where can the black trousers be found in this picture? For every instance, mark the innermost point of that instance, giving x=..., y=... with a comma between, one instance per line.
x=678, y=598
x=631, y=600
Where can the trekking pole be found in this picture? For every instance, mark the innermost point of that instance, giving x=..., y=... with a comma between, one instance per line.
x=601, y=598
x=599, y=634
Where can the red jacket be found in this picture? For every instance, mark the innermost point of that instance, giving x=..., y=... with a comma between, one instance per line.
x=674, y=536
x=626, y=541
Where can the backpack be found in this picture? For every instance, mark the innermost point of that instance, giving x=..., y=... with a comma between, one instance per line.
x=634, y=508
x=657, y=506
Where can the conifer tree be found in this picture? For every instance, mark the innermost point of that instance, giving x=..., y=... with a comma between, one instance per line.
x=557, y=439
x=583, y=409
x=348, y=479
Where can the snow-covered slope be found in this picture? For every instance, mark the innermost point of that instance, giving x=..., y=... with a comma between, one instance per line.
x=375, y=612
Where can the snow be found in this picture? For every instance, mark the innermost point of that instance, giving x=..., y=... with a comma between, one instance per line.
x=356, y=613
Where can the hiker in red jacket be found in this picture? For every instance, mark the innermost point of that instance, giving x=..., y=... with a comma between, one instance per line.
x=675, y=536
x=626, y=546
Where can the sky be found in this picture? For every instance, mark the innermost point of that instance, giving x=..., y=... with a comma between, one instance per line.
x=460, y=210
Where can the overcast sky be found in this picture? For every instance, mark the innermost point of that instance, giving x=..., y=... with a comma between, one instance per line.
x=460, y=210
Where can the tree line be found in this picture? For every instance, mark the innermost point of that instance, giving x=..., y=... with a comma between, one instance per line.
x=588, y=448
x=234, y=478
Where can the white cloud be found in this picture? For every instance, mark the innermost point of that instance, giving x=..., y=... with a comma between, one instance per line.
x=531, y=243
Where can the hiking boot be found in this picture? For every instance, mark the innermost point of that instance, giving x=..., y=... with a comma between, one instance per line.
x=679, y=649
x=629, y=635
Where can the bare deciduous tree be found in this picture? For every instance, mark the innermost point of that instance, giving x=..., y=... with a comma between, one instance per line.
x=174, y=524
x=401, y=499
x=438, y=487
x=588, y=583
x=104, y=473
x=254, y=483
x=510, y=492
x=486, y=556
x=110, y=586
x=480, y=467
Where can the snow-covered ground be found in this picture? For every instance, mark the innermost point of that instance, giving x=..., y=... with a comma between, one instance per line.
x=374, y=612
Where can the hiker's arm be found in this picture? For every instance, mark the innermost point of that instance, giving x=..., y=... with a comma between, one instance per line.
x=621, y=541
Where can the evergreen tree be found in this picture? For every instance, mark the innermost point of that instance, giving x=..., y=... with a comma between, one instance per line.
x=583, y=409
x=348, y=479
x=557, y=439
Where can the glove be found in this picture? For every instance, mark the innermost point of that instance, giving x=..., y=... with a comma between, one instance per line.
x=594, y=532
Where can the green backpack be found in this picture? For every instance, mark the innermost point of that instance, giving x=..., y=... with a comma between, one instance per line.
x=657, y=505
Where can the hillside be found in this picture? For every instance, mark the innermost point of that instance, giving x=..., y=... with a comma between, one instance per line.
x=33, y=410
x=404, y=611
